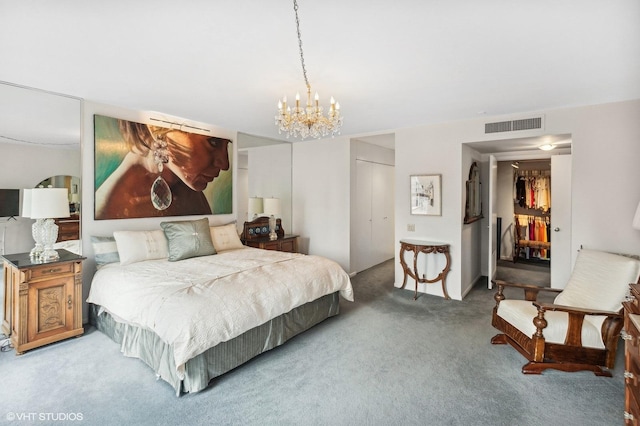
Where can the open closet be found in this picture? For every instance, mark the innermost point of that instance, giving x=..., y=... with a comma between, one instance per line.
x=530, y=199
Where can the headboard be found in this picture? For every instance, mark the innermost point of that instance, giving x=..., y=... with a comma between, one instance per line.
x=259, y=228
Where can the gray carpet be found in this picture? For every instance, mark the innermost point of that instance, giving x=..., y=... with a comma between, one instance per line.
x=521, y=272
x=386, y=359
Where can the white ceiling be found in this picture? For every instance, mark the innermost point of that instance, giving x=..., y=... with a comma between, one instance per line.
x=389, y=64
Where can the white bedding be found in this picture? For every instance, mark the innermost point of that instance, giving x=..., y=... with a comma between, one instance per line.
x=196, y=303
x=72, y=245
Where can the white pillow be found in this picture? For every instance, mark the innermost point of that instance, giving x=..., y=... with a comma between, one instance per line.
x=225, y=237
x=136, y=246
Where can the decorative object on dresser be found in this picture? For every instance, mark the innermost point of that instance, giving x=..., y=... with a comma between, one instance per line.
x=45, y=205
x=42, y=302
x=631, y=335
x=272, y=210
x=256, y=234
x=580, y=329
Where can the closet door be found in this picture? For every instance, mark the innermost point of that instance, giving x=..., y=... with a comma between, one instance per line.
x=561, y=262
x=382, y=208
x=375, y=202
x=363, y=215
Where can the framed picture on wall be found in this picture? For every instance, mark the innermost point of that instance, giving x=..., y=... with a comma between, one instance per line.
x=144, y=170
x=426, y=195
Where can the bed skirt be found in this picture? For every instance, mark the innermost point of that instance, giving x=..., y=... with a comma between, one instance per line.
x=146, y=345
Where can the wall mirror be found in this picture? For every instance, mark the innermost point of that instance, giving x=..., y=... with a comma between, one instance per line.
x=72, y=184
x=264, y=170
x=40, y=137
x=473, y=205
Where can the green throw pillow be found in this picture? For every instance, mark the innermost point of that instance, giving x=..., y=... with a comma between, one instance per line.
x=188, y=238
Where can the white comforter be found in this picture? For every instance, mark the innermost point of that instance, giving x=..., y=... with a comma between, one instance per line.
x=196, y=303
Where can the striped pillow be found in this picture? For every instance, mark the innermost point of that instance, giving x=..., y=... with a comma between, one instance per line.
x=105, y=250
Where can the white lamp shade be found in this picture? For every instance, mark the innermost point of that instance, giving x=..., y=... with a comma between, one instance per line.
x=272, y=206
x=26, y=203
x=636, y=219
x=255, y=206
x=48, y=203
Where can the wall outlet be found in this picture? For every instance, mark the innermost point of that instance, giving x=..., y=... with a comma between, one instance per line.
x=411, y=227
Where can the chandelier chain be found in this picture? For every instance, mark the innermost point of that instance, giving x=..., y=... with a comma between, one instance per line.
x=304, y=69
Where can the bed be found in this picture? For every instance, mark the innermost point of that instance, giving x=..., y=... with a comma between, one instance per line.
x=196, y=318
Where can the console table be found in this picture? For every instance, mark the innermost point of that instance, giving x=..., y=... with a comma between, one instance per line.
x=426, y=247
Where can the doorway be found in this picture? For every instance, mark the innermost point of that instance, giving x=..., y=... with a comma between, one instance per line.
x=500, y=205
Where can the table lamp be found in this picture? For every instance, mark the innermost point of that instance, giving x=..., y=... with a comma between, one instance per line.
x=255, y=207
x=43, y=205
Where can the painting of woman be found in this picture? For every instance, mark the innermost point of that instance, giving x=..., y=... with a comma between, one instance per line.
x=148, y=171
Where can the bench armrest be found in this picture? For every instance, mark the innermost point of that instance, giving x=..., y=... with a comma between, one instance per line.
x=574, y=310
x=530, y=291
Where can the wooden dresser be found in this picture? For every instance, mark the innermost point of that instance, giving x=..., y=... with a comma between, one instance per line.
x=288, y=243
x=631, y=336
x=68, y=228
x=42, y=301
x=256, y=234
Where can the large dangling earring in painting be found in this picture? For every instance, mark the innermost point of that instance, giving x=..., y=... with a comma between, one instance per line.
x=161, y=196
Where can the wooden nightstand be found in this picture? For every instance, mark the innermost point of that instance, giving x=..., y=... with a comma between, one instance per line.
x=288, y=243
x=42, y=301
x=256, y=234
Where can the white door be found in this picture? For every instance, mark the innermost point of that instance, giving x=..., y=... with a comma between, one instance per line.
x=363, y=215
x=493, y=220
x=560, y=220
x=382, y=206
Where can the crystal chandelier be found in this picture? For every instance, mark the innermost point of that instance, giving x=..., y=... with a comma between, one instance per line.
x=308, y=120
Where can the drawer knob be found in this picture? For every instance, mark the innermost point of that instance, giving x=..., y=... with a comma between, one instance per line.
x=628, y=375
x=628, y=416
x=69, y=303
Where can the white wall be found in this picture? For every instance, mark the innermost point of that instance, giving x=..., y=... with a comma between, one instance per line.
x=24, y=166
x=106, y=227
x=321, y=197
x=605, y=148
x=432, y=149
x=605, y=175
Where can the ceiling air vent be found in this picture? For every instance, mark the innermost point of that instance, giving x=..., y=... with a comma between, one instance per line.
x=502, y=126
x=511, y=126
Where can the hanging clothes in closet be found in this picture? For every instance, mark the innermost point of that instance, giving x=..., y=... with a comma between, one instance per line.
x=533, y=189
x=534, y=229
